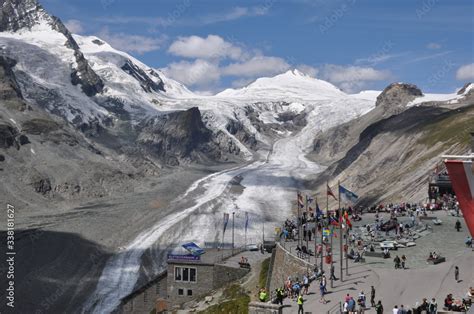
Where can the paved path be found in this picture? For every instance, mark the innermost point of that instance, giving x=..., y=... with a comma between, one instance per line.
x=395, y=287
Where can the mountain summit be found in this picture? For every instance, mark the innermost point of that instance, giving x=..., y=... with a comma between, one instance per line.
x=18, y=14
x=291, y=84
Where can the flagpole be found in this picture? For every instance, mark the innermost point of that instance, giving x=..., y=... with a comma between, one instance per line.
x=315, y=231
x=300, y=242
x=223, y=232
x=322, y=226
x=307, y=237
x=233, y=218
x=340, y=225
x=347, y=247
x=330, y=267
x=246, y=224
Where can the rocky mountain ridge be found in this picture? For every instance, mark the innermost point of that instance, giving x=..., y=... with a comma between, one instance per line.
x=388, y=153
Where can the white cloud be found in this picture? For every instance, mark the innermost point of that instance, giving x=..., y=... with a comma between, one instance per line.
x=308, y=70
x=429, y=57
x=352, y=78
x=257, y=66
x=465, y=72
x=242, y=82
x=234, y=14
x=197, y=73
x=131, y=43
x=74, y=26
x=211, y=47
x=433, y=46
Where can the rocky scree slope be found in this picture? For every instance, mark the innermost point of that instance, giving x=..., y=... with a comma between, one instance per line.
x=388, y=153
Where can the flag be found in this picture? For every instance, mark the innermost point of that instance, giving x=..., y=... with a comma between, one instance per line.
x=329, y=192
x=346, y=217
x=333, y=221
x=246, y=221
x=329, y=232
x=319, y=212
x=226, y=220
x=348, y=196
x=300, y=200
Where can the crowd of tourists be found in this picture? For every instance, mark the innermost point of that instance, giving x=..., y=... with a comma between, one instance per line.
x=308, y=227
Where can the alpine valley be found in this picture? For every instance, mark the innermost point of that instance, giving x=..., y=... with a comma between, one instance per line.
x=109, y=163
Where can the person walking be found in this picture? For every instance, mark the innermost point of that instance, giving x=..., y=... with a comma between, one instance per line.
x=379, y=307
x=433, y=307
x=351, y=305
x=305, y=284
x=404, y=259
x=456, y=273
x=300, y=302
x=322, y=290
x=333, y=276
x=396, y=260
x=262, y=295
x=457, y=225
x=372, y=296
x=402, y=310
x=279, y=296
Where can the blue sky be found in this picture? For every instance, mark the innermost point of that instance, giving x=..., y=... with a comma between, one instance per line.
x=355, y=44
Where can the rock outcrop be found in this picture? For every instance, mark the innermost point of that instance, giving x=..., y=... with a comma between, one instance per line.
x=178, y=137
x=145, y=81
x=397, y=95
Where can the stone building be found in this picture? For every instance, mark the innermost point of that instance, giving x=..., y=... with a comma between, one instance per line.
x=191, y=278
x=144, y=299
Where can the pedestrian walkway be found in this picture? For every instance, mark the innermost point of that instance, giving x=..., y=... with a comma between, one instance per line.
x=396, y=287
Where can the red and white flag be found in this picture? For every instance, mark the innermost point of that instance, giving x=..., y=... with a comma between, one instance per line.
x=329, y=192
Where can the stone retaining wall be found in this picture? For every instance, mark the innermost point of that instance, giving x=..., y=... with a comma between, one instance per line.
x=286, y=264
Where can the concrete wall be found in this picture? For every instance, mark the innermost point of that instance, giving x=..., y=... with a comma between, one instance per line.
x=145, y=300
x=286, y=264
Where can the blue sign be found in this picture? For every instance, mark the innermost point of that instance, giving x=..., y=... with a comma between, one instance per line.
x=177, y=257
x=193, y=248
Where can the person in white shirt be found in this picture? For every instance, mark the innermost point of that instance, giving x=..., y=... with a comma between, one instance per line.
x=395, y=310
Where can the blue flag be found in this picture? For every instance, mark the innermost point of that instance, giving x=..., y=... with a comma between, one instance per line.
x=348, y=196
x=319, y=212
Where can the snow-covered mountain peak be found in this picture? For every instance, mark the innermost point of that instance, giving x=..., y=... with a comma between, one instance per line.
x=21, y=14
x=292, y=84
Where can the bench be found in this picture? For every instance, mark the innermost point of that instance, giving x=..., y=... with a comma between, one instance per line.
x=437, y=260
